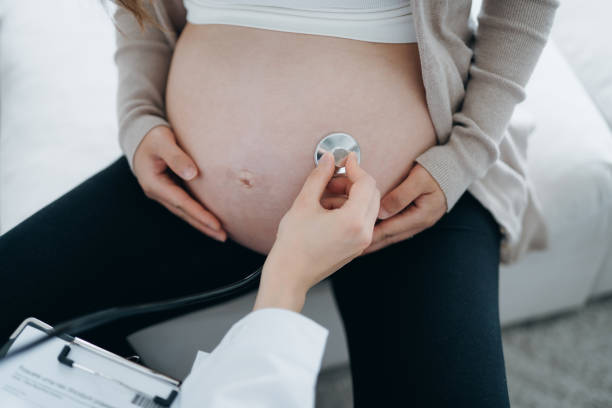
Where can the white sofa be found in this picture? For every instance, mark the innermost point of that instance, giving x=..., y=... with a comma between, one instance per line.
x=57, y=126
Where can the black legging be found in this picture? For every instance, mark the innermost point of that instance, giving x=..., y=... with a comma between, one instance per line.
x=421, y=316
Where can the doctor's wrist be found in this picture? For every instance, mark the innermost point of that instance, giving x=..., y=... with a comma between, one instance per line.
x=280, y=299
x=280, y=285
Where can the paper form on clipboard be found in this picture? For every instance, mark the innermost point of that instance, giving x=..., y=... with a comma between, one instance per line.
x=37, y=379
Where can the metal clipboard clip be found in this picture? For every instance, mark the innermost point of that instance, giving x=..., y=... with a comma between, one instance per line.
x=72, y=341
x=63, y=359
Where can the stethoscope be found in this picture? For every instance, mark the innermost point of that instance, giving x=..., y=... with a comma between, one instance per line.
x=339, y=144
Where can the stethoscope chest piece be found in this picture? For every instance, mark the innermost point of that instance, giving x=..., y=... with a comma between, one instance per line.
x=340, y=145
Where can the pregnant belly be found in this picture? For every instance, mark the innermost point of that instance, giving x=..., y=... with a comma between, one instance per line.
x=250, y=105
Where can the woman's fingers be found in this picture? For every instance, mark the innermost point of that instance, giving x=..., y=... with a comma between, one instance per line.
x=156, y=153
x=174, y=195
x=389, y=240
x=218, y=235
x=399, y=198
x=411, y=219
x=177, y=160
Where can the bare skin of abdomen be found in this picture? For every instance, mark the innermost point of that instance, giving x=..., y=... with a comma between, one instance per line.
x=250, y=105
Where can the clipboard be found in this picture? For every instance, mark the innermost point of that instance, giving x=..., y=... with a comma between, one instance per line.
x=127, y=368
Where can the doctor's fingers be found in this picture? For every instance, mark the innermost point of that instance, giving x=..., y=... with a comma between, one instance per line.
x=362, y=192
x=317, y=180
x=342, y=184
x=333, y=202
x=373, y=209
x=354, y=171
x=337, y=201
x=339, y=185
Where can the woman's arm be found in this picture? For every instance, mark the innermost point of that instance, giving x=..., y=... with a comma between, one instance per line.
x=143, y=60
x=509, y=40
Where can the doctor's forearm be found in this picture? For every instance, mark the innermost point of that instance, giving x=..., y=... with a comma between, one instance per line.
x=278, y=286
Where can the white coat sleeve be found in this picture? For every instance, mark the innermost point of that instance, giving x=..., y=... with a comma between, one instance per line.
x=270, y=358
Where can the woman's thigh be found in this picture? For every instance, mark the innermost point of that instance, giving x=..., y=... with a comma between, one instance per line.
x=422, y=317
x=105, y=244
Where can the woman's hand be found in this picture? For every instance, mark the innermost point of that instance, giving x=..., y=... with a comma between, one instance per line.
x=157, y=156
x=315, y=238
x=413, y=206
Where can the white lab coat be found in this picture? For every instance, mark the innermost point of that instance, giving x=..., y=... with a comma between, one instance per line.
x=269, y=358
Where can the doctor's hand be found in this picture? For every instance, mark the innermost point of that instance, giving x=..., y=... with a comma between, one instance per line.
x=158, y=161
x=314, y=238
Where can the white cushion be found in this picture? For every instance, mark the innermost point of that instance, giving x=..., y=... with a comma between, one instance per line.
x=583, y=32
x=570, y=165
x=57, y=117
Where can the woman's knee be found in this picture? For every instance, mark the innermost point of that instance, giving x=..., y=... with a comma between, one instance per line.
x=428, y=308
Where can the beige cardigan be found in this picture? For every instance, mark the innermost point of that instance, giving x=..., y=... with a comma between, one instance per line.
x=473, y=81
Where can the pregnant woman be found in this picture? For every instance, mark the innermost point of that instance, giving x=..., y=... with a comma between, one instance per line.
x=221, y=105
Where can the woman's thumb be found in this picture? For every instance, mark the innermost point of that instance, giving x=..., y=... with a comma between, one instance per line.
x=178, y=161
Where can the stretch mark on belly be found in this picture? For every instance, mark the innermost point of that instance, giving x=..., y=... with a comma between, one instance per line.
x=245, y=178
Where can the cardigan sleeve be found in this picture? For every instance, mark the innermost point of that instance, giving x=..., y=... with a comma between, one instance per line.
x=143, y=61
x=510, y=37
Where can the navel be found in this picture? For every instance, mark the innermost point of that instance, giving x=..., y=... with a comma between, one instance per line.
x=246, y=178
